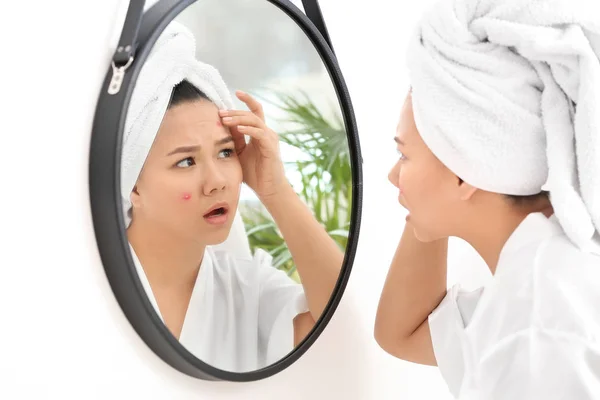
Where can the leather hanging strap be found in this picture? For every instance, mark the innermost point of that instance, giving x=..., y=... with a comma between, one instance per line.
x=128, y=41
x=313, y=12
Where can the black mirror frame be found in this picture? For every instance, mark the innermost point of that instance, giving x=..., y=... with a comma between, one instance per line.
x=139, y=35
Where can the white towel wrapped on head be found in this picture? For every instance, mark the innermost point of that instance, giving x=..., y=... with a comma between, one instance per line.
x=506, y=93
x=171, y=61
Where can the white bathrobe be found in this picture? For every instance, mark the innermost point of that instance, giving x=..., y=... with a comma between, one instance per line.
x=240, y=315
x=534, y=332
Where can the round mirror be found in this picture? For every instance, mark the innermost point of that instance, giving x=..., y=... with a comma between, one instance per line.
x=225, y=184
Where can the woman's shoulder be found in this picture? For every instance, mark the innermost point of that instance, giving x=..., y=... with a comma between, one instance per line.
x=544, y=255
x=566, y=276
x=555, y=287
x=558, y=256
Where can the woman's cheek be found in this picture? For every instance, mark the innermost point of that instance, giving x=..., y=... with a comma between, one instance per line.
x=236, y=171
x=402, y=182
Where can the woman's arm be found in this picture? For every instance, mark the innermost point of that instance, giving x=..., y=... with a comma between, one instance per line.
x=317, y=256
x=414, y=287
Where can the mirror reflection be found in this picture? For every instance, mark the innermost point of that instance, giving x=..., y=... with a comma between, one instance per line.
x=236, y=183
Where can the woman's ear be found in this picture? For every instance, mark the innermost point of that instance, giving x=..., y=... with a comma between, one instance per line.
x=465, y=190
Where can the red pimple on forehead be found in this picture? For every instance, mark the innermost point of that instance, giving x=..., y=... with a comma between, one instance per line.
x=219, y=123
x=187, y=196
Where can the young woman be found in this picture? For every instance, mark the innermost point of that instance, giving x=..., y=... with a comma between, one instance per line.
x=485, y=136
x=234, y=313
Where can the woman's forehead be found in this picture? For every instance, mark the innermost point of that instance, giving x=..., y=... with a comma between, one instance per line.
x=198, y=121
x=191, y=112
x=406, y=124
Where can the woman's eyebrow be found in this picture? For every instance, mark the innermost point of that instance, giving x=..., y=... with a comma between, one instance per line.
x=399, y=141
x=184, y=149
x=224, y=140
x=193, y=148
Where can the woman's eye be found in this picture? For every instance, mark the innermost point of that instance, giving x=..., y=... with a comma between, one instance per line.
x=186, y=162
x=402, y=157
x=226, y=153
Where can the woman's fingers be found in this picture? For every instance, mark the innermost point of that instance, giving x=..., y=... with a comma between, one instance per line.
x=252, y=103
x=236, y=113
x=243, y=119
x=264, y=138
x=252, y=131
x=250, y=123
x=239, y=139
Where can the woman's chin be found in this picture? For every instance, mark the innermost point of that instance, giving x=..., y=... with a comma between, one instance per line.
x=422, y=235
x=427, y=237
x=217, y=238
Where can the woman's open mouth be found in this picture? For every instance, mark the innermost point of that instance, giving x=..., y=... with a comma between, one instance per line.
x=217, y=214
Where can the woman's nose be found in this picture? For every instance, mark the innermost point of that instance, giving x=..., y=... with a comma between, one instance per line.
x=214, y=181
x=393, y=174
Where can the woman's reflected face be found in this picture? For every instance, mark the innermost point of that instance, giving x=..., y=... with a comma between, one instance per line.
x=190, y=182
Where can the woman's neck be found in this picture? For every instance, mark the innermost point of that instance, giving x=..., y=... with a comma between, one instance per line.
x=168, y=260
x=489, y=231
x=488, y=236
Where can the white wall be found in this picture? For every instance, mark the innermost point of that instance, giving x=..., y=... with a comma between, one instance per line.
x=63, y=334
